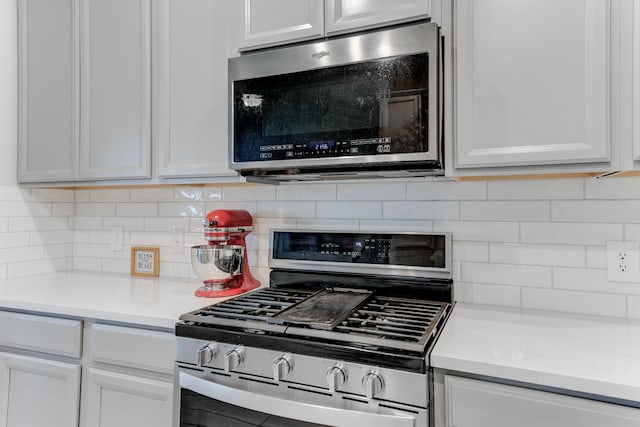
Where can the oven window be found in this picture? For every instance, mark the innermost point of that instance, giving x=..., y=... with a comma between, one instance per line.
x=202, y=411
x=368, y=108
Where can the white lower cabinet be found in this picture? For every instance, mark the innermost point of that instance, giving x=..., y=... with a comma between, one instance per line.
x=38, y=392
x=127, y=379
x=475, y=403
x=122, y=400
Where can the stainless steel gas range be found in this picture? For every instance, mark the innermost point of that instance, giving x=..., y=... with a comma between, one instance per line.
x=341, y=337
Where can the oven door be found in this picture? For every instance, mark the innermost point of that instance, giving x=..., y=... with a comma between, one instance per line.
x=209, y=400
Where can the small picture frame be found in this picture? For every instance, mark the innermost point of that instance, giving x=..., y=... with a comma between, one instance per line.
x=145, y=261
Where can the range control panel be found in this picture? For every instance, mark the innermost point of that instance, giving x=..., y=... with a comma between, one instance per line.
x=420, y=250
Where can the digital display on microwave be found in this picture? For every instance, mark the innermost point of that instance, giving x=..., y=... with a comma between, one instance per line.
x=321, y=112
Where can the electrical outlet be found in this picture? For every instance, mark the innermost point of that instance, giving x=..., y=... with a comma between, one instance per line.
x=623, y=262
x=177, y=241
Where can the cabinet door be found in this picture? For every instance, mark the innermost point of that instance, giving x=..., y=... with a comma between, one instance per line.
x=115, y=117
x=48, y=90
x=473, y=403
x=532, y=82
x=270, y=22
x=191, y=123
x=346, y=15
x=120, y=400
x=38, y=392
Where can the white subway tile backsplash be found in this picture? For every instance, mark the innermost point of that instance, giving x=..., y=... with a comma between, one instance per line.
x=37, y=223
x=470, y=251
x=12, y=209
x=286, y=209
x=243, y=193
x=389, y=225
x=591, y=280
x=63, y=209
x=479, y=231
x=249, y=206
x=306, y=192
x=13, y=193
x=505, y=274
x=625, y=211
x=487, y=294
x=530, y=243
x=121, y=195
x=447, y=190
x=420, y=210
x=14, y=240
x=202, y=194
x=152, y=194
x=349, y=210
x=95, y=209
x=575, y=302
x=549, y=255
x=51, y=237
x=544, y=189
x=504, y=211
x=379, y=191
x=633, y=307
x=565, y=233
x=137, y=209
x=127, y=223
x=166, y=225
x=26, y=253
x=182, y=209
x=328, y=224
x=51, y=195
x=596, y=257
x=612, y=188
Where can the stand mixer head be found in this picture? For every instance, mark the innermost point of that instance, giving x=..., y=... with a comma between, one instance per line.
x=224, y=230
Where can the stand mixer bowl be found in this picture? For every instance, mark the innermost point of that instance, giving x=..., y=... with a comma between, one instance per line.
x=217, y=265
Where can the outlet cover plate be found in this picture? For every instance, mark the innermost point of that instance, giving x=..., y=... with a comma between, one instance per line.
x=623, y=262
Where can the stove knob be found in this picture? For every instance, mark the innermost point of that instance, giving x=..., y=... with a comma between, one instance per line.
x=281, y=367
x=206, y=354
x=336, y=377
x=232, y=359
x=373, y=384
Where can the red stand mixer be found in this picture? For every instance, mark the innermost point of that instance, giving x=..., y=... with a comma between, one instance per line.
x=222, y=264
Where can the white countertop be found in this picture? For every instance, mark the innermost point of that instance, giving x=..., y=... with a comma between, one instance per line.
x=154, y=302
x=599, y=356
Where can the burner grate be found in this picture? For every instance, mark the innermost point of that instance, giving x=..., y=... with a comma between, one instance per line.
x=393, y=318
x=259, y=305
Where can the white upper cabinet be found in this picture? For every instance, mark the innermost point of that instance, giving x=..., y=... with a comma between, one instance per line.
x=263, y=23
x=191, y=112
x=531, y=82
x=48, y=90
x=115, y=118
x=347, y=15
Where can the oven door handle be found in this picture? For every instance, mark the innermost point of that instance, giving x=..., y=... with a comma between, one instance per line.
x=290, y=409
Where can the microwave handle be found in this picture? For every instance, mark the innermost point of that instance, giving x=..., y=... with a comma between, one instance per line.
x=290, y=409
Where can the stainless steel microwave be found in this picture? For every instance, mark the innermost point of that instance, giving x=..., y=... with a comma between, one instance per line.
x=364, y=105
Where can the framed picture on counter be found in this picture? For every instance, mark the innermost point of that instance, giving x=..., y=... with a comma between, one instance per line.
x=145, y=261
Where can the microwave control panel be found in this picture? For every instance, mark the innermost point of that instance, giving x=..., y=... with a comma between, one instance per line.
x=327, y=148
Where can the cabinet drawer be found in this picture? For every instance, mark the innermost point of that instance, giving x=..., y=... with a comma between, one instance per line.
x=41, y=333
x=132, y=347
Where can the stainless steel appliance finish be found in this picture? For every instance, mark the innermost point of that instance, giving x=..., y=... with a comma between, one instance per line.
x=340, y=107
x=325, y=347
